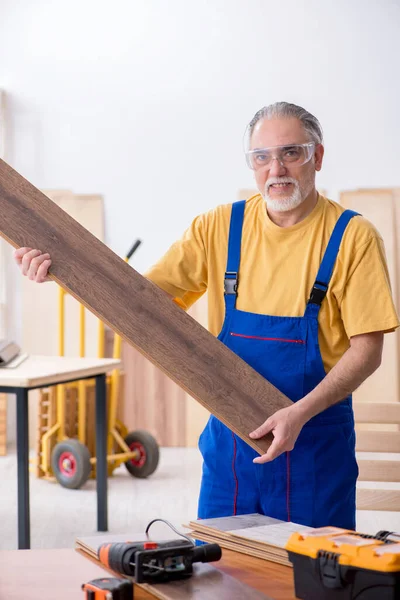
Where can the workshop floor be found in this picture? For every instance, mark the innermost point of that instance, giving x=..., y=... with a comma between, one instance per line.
x=59, y=515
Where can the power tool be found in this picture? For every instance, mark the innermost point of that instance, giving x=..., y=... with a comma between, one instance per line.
x=153, y=562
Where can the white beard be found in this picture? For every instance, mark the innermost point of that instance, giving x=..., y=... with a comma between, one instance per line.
x=293, y=201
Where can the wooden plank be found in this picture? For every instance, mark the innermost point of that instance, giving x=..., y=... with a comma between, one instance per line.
x=43, y=299
x=369, y=499
x=155, y=403
x=371, y=412
x=40, y=335
x=242, y=549
x=138, y=310
x=378, y=441
x=377, y=205
x=379, y=470
x=196, y=415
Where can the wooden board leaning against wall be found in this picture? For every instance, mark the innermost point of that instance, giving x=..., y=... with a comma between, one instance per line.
x=381, y=207
x=40, y=302
x=155, y=403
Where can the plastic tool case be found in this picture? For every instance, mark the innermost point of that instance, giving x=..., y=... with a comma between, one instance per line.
x=338, y=564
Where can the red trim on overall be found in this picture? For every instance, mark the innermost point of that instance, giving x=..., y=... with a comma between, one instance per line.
x=234, y=474
x=288, y=485
x=269, y=339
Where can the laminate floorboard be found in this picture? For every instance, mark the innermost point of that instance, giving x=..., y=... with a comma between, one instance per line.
x=138, y=310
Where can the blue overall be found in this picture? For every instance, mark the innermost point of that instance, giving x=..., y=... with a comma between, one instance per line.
x=314, y=484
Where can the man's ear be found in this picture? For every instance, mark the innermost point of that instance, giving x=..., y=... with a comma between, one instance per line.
x=318, y=156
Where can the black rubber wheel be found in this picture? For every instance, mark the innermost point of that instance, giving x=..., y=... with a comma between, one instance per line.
x=70, y=461
x=148, y=453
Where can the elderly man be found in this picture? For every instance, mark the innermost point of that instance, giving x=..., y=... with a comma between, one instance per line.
x=299, y=288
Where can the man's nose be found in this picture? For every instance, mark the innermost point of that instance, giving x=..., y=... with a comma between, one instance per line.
x=277, y=169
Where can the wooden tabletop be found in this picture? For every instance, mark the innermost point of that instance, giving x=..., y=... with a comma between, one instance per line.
x=47, y=370
x=270, y=578
x=59, y=574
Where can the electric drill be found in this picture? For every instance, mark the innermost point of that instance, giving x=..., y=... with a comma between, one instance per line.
x=154, y=562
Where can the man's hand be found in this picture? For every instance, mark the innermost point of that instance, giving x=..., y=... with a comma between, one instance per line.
x=33, y=264
x=285, y=425
x=359, y=362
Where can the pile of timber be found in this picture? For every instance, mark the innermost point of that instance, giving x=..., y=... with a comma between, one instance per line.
x=253, y=534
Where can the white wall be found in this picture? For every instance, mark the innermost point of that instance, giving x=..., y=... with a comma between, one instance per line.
x=146, y=102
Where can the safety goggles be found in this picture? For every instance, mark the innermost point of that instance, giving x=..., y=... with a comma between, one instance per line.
x=294, y=155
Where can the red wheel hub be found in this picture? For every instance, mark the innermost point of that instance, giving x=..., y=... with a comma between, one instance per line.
x=67, y=464
x=140, y=459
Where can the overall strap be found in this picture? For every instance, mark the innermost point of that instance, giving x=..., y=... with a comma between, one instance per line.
x=324, y=275
x=234, y=246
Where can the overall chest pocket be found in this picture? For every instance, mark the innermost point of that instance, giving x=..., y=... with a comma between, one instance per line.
x=278, y=357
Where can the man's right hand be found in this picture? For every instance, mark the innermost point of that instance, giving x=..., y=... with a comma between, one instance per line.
x=33, y=264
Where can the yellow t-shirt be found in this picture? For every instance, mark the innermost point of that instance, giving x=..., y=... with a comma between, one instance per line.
x=278, y=268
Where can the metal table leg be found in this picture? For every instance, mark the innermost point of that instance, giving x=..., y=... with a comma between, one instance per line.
x=24, y=536
x=101, y=453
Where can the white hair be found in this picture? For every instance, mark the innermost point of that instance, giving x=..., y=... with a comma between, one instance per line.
x=285, y=109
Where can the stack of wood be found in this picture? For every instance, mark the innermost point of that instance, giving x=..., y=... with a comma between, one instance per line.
x=253, y=534
x=382, y=208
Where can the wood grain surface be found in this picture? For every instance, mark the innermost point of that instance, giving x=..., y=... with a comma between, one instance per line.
x=378, y=470
x=47, y=370
x=207, y=582
x=378, y=499
x=45, y=574
x=378, y=441
x=376, y=412
x=138, y=310
x=58, y=574
x=379, y=207
x=153, y=402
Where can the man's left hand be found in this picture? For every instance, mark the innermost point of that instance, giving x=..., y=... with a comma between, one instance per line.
x=285, y=425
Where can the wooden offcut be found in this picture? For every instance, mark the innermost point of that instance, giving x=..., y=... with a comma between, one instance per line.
x=138, y=310
x=379, y=206
x=386, y=500
x=378, y=441
x=378, y=413
x=379, y=470
x=44, y=299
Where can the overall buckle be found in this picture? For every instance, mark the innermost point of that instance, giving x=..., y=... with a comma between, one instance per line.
x=231, y=283
x=318, y=293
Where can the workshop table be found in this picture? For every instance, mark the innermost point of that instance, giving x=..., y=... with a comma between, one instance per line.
x=46, y=371
x=59, y=574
